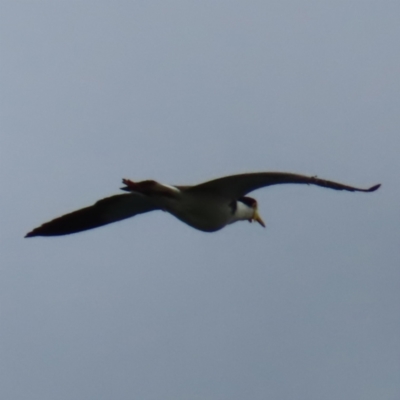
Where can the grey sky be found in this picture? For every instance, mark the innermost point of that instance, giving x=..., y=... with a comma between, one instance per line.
x=183, y=92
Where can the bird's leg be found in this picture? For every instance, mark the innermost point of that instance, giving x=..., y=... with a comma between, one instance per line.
x=150, y=188
x=145, y=187
x=130, y=184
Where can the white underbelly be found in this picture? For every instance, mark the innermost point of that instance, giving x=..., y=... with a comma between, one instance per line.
x=210, y=218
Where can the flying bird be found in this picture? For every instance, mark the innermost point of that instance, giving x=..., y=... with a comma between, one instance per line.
x=208, y=207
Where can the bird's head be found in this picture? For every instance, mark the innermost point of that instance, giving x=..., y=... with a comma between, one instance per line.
x=253, y=205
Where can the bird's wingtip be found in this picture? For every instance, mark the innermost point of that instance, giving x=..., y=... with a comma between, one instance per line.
x=34, y=232
x=373, y=188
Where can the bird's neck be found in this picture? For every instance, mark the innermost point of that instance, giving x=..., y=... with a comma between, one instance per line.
x=242, y=212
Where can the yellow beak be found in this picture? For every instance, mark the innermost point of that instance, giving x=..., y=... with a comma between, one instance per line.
x=256, y=217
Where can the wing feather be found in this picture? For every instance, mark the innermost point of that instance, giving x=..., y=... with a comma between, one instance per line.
x=103, y=212
x=236, y=186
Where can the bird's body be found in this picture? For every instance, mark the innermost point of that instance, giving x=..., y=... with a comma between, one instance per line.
x=219, y=213
x=208, y=207
x=189, y=206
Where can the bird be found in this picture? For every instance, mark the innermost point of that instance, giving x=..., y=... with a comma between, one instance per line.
x=208, y=206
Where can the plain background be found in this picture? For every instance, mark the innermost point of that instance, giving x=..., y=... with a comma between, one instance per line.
x=183, y=92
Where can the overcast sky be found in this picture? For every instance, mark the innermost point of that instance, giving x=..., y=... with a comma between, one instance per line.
x=183, y=92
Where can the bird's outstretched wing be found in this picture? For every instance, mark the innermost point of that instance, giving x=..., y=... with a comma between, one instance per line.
x=236, y=186
x=105, y=211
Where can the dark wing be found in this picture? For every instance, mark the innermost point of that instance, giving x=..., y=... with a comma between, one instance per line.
x=236, y=186
x=105, y=211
